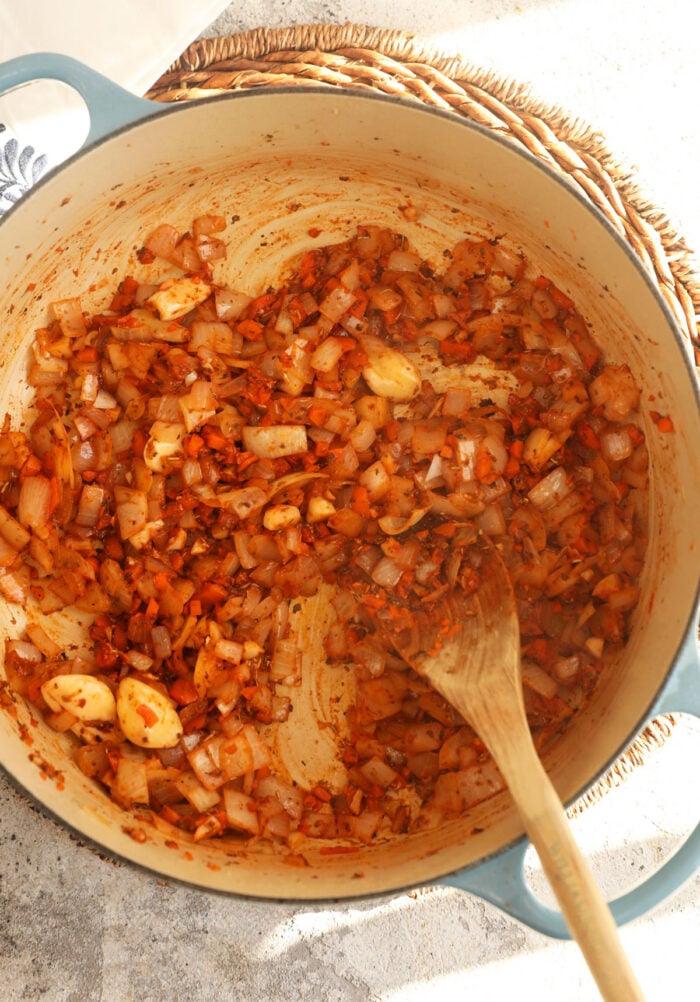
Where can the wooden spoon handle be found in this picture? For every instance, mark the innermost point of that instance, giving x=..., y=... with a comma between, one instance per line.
x=582, y=904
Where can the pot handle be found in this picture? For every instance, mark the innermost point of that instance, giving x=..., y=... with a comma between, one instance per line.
x=109, y=105
x=501, y=879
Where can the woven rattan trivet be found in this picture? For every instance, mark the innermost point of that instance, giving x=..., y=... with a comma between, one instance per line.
x=392, y=62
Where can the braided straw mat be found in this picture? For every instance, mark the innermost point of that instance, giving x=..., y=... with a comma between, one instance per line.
x=391, y=62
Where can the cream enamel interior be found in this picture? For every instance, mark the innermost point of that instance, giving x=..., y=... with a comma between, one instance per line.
x=283, y=163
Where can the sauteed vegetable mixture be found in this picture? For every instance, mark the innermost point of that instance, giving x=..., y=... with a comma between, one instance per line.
x=200, y=462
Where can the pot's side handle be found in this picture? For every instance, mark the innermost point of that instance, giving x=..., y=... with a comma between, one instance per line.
x=109, y=105
x=502, y=882
x=501, y=879
x=681, y=693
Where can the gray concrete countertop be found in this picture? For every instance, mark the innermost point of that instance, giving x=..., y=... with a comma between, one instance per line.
x=75, y=927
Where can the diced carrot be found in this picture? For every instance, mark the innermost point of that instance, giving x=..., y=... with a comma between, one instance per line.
x=483, y=467
x=195, y=724
x=539, y=649
x=183, y=691
x=359, y=501
x=636, y=434
x=462, y=350
x=113, y=548
x=106, y=656
x=359, y=307
x=126, y=294
x=587, y=436
x=31, y=467
x=512, y=468
x=250, y=329
x=261, y=304
x=322, y=793
x=138, y=442
x=148, y=715
x=447, y=529
x=244, y=460
x=86, y=354
x=193, y=445
x=317, y=415
x=211, y=593
x=560, y=298
x=214, y=437
x=662, y=421
x=374, y=601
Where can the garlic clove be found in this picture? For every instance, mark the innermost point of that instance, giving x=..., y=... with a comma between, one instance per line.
x=147, y=717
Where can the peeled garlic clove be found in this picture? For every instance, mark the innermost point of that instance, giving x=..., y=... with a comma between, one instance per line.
x=86, y=697
x=388, y=372
x=147, y=717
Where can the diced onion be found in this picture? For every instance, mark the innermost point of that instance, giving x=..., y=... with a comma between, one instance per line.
x=376, y=479
x=386, y=573
x=616, y=444
x=400, y=260
x=36, y=502
x=328, y=353
x=90, y=505
x=550, y=489
x=336, y=303
x=275, y=441
x=539, y=680
x=220, y=482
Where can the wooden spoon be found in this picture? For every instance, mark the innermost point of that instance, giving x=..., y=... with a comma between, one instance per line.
x=469, y=650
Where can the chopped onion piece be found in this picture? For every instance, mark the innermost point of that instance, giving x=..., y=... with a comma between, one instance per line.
x=616, y=444
x=538, y=679
x=164, y=446
x=132, y=510
x=69, y=314
x=90, y=505
x=336, y=303
x=376, y=479
x=395, y=525
x=240, y=810
x=275, y=441
x=327, y=355
x=386, y=573
x=540, y=446
x=551, y=489
x=36, y=502
x=280, y=516
x=401, y=260
x=177, y=296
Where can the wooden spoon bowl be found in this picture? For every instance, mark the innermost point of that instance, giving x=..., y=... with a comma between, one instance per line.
x=468, y=648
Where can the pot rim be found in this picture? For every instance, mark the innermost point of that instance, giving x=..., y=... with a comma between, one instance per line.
x=159, y=111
